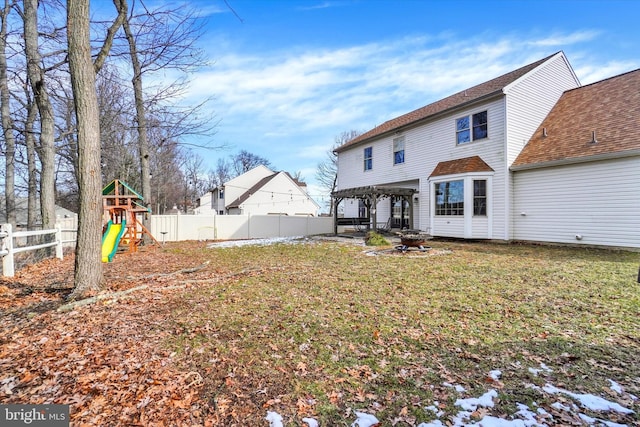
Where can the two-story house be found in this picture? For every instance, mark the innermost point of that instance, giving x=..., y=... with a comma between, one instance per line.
x=260, y=191
x=450, y=167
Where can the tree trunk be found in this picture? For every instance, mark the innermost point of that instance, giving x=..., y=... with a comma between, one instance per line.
x=88, y=263
x=30, y=142
x=7, y=123
x=47, y=146
x=143, y=139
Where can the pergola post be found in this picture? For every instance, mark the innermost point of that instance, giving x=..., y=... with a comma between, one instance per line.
x=374, y=212
x=411, y=212
x=335, y=214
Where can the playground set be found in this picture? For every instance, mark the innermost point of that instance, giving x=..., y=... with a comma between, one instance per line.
x=123, y=230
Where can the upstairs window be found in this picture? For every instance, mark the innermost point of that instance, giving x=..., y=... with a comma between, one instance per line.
x=471, y=128
x=368, y=158
x=398, y=150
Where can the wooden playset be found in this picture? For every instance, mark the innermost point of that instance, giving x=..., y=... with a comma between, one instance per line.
x=123, y=229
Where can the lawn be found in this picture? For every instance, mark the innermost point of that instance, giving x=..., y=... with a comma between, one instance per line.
x=323, y=329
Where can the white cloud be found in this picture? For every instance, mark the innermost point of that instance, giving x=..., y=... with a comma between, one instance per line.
x=591, y=73
x=562, y=40
x=292, y=103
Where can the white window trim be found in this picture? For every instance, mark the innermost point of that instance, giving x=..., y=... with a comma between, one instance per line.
x=470, y=117
x=364, y=159
x=468, y=216
x=396, y=142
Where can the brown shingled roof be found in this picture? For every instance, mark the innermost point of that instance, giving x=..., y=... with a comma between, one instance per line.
x=465, y=165
x=466, y=96
x=610, y=107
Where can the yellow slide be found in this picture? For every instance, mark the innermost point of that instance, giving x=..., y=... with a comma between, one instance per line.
x=111, y=239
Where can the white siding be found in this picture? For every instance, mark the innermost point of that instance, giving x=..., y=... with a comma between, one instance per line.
x=206, y=204
x=512, y=119
x=528, y=101
x=449, y=226
x=280, y=196
x=530, y=98
x=237, y=186
x=467, y=226
x=599, y=201
x=425, y=147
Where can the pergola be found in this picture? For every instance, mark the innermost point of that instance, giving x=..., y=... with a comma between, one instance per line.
x=370, y=195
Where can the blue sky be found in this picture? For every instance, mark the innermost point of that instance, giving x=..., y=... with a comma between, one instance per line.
x=292, y=75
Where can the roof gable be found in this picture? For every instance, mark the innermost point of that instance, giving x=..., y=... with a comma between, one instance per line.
x=255, y=188
x=273, y=178
x=608, y=110
x=467, y=96
x=458, y=166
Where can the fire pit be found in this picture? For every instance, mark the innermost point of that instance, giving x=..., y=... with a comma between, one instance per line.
x=413, y=239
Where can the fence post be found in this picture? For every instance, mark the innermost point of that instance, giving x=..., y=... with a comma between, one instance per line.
x=7, y=251
x=59, y=241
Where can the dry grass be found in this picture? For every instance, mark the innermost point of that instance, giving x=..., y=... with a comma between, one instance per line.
x=321, y=329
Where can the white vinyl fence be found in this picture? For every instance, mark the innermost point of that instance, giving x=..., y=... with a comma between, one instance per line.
x=172, y=228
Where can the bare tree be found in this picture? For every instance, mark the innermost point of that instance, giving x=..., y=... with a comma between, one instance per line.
x=244, y=161
x=327, y=173
x=194, y=184
x=159, y=39
x=7, y=122
x=36, y=75
x=167, y=176
x=222, y=173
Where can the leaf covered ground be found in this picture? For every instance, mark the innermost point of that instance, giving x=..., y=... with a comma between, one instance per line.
x=219, y=336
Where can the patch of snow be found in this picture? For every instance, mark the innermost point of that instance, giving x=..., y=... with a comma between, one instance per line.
x=275, y=419
x=615, y=387
x=543, y=368
x=311, y=422
x=589, y=401
x=365, y=420
x=436, y=423
x=457, y=387
x=431, y=408
x=495, y=374
x=257, y=242
x=490, y=421
x=559, y=406
x=472, y=403
x=587, y=419
x=596, y=421
x=434, y=408
x=611, y=423
x=529, y=417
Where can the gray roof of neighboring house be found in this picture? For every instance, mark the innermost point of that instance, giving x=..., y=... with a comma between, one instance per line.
x=21, y=211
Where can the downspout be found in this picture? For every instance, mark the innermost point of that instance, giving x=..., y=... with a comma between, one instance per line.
x=507, y=177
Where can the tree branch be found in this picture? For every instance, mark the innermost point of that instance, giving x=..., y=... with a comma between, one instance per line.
x=121, y=7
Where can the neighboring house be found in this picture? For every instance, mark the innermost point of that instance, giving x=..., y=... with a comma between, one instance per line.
x=21, y=212
x=477, y=164
x=259, y=191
